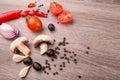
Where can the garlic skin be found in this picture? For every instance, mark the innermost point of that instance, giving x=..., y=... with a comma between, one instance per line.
x=18, y=58
x=24, y=72
x=8, y=31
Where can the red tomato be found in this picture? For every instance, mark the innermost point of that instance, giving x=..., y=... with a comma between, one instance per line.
x=32, y=12
x=34, y=23
x=24, y=13
x=30, y=5
x=55, y=8
x=65, y=17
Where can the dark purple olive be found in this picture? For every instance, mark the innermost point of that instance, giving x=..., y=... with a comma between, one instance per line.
x=51, y=27
x=27, y=61
x=37, y=66
x=50, y=52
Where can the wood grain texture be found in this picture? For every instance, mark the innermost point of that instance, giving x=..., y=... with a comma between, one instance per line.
x=96, y=24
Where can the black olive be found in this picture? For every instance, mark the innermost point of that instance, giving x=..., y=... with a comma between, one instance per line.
x=51, y=27
x=50, y=52
x=27, y=61
x=37, y=66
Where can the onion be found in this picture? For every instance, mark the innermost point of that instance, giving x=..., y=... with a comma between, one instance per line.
x=8, y=31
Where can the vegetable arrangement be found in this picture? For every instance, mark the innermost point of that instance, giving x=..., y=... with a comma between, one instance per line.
x=34, y=23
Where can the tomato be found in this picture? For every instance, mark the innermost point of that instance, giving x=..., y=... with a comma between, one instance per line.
x=55, y=8
x=30, y=5
x=34, y=23
x=32, y=12
x=65, y=17
x=24, y=13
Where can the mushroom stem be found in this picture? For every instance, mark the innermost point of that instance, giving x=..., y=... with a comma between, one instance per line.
x=43, y=48
x=24, y=49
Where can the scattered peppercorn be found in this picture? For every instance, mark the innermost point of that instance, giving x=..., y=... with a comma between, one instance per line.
x=46, y=66
x=61, y=57
x=46, y=61
x=67, y=42
x=75, y=55
x=71, y=56
x=57, y=48
x=54, y=74
x=75, y=59
x=51, y=27
x=61, y=69
x=49, y=68
x=54, y=65
x=65, y=55
x=54, y=40
x=68, y=61
x=87, y=52
x=40, y=5
x=52, y=59
x=88, y=47
x=79, y=76
x=27, y=61
x=44, y=71
x=47, y=73
x=60, y=65
x=57, y=52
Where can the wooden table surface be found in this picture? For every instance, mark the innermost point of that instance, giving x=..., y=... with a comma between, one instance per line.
x=96, y=25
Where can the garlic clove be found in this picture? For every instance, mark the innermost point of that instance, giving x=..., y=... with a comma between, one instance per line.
x=18, y=58
x=24, y=72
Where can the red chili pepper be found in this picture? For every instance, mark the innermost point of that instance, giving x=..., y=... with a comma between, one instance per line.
x=30, y=5
x=32, y=12
x=25, y=13
x=9, y=15
x=41, y=14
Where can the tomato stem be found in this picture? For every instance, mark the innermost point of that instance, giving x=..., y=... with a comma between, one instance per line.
x=27, y=17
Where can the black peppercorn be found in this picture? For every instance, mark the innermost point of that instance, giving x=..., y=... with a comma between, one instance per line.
x=37, y=66
x=27, y=61
x=51, y=27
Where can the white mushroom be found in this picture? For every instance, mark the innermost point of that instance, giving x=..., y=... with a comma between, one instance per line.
x=19, y=44
x=42, y=41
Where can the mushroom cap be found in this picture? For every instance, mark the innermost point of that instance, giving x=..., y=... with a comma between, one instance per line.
x=17, y=42
x=42, y=39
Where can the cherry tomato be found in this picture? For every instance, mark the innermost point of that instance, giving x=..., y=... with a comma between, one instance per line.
x=24, y=13
x=34, y=23
x=32, y=12
x=30, y=5
x=65, y=17
x=55, y=8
